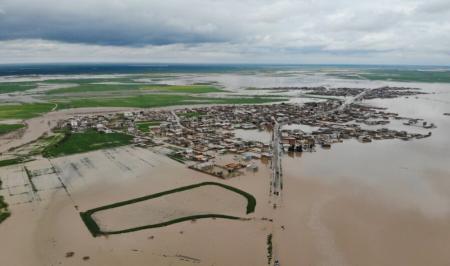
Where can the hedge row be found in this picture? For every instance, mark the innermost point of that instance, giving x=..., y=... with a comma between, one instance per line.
x=96, y=231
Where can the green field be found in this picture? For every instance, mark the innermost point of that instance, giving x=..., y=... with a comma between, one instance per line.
x=95, y=229
x=91, y=80
x=93, y=88
x=8, y=87
x=183, y=88
x=144, y=126
x=24, y=111
x=83, y=142
x=29, y=110
x=159, y=100
x=7, y=128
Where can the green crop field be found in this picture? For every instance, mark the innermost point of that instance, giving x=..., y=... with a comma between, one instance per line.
x=7, y=128
x=183, y=88
x=23, y=111
x=8, y=87
x=93, y=88
x=83, y=142
x=159, y=100
x=144, y=126
x=90, y=80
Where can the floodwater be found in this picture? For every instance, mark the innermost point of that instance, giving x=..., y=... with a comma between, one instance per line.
x=380, y=203
x=253, y=135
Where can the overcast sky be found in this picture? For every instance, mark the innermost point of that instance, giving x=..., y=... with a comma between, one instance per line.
x=226, y=31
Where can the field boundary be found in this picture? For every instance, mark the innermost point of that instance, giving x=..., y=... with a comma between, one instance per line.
x=95, y=230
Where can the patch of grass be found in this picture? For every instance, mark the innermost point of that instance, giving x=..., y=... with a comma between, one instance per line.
x=12, y=161
x=249, y=100
x=144, y=126
x=24, y=111
x=4, y=215
x=192, y=114
x=83, y=142
x=142, y=101
x=198, y=88
x=96, y=231
x=89, y=88
x=4, y=212
x=159, y=100
x=90, y=80
x=269, y=249
x=92, y=88
x=176, y=156
x=8, y=87
x=7, y=128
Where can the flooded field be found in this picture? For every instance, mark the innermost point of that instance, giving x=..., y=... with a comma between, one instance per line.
x=47, y=218
x=196, y=201
x=379, y=203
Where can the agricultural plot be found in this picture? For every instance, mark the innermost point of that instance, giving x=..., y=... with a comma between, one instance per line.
x=114, y=87
x=7, y=128
x=9, y=87
x=145, y=126
x=84, y=142
x=183, y=88
x=29, y=182
x=24, y=111
x=160, y=100
x=202, y=200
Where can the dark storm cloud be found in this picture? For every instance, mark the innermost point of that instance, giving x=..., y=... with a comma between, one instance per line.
x=110, y=24
x=410, y=31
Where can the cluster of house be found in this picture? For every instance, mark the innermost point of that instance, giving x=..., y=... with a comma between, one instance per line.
x=200, y=134
x=348, y=123
x=392, y=92
x=382, y=92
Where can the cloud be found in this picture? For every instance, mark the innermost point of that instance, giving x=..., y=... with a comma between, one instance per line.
x=242, y=30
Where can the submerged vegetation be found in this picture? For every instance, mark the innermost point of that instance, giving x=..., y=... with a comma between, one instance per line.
x=87, y=141
x=4, y=212
x=12, y=161
x=269, y=249
x=95, y=229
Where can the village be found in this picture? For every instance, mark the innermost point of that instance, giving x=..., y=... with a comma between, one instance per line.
x=376, y=93
x=200, y=136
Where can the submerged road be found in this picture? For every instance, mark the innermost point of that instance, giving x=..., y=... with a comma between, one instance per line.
x=276, y=182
